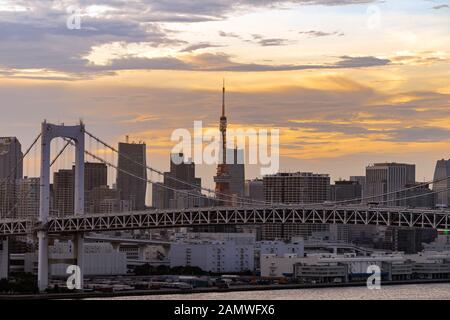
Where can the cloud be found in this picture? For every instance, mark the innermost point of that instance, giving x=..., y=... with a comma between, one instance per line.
x=318, y=34
x=228, y=35
x=440, y=6
x=268, y=42
x=198, y=46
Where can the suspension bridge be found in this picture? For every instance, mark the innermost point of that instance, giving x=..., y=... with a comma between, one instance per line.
x=236, y=211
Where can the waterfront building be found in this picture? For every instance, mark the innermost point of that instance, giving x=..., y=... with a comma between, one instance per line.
x=219, y=257
x=100, y=259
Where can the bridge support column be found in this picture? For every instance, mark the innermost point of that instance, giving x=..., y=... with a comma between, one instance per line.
x=48, y=133
x=4, y=259
x=43, y=261
x=78, y=246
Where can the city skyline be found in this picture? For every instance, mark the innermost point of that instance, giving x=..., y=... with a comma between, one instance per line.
x=341, y=101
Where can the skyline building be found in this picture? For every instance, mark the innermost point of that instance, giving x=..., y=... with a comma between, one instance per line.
x=181, y=177
x=294, y=188
x=28, y=197
x=442, y=188
x=254, y=190
x=382, y=178
x=11, y=164
x=345, y=190
x=11, y=170
x=132, y=188
x=63, y=192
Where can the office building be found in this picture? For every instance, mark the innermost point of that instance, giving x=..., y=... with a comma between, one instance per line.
x=236, y=169
x=386, y=178
x=63, y=192
x=254, y=190
x=418, y=195
x=105, y=200
x=11, y=170
x=95, y=175
x=133, y=188
x=11, y=164
x=28, y=197
x=442, y=187
x=294, y=188
x=346, y=190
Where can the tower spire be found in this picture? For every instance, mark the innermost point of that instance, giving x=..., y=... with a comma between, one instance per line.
x=223, y=98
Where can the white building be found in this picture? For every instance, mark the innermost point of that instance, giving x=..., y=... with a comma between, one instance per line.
x=99, y=259
x=281, y=248
x=278, y=266
x=220, y=256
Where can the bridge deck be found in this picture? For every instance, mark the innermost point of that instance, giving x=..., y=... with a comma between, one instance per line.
x=299, y=214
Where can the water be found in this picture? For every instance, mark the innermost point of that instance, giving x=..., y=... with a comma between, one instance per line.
x=399, y=292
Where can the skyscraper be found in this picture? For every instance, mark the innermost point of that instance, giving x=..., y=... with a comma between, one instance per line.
x=28, y=192
x=132, y=174
x=442, y=187
x=236, y=170
x=63, y=192
x=382, y=178
x=180, y=177
x=95, y=175
x=11, y=169
x=10, y=159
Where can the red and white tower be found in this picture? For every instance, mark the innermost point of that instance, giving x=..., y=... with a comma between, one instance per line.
x=223, y=178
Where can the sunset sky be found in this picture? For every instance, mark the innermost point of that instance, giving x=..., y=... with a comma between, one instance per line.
x=348, y=83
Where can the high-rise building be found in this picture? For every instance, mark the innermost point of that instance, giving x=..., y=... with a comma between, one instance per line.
x=181, y=188
x=11, y=170
x=254, y=190
x=11, y=164
x=63, y=192
x=95, y=175
x=362, y=182
x=132, y=160
x=345, y=190
x=299, y=187
x=236, y=170
x=383, y=178
x=28, y=197
x=418, y=195
x=442, y=187
x=103, y=199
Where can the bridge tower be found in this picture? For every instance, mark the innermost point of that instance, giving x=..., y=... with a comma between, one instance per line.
x=76, y=134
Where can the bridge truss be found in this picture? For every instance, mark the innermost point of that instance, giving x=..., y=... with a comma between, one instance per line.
x=154, y=219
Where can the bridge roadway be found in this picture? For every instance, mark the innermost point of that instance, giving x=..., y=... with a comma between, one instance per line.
x=292, y=214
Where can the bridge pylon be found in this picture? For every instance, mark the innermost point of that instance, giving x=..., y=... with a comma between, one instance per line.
x=77, y=135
